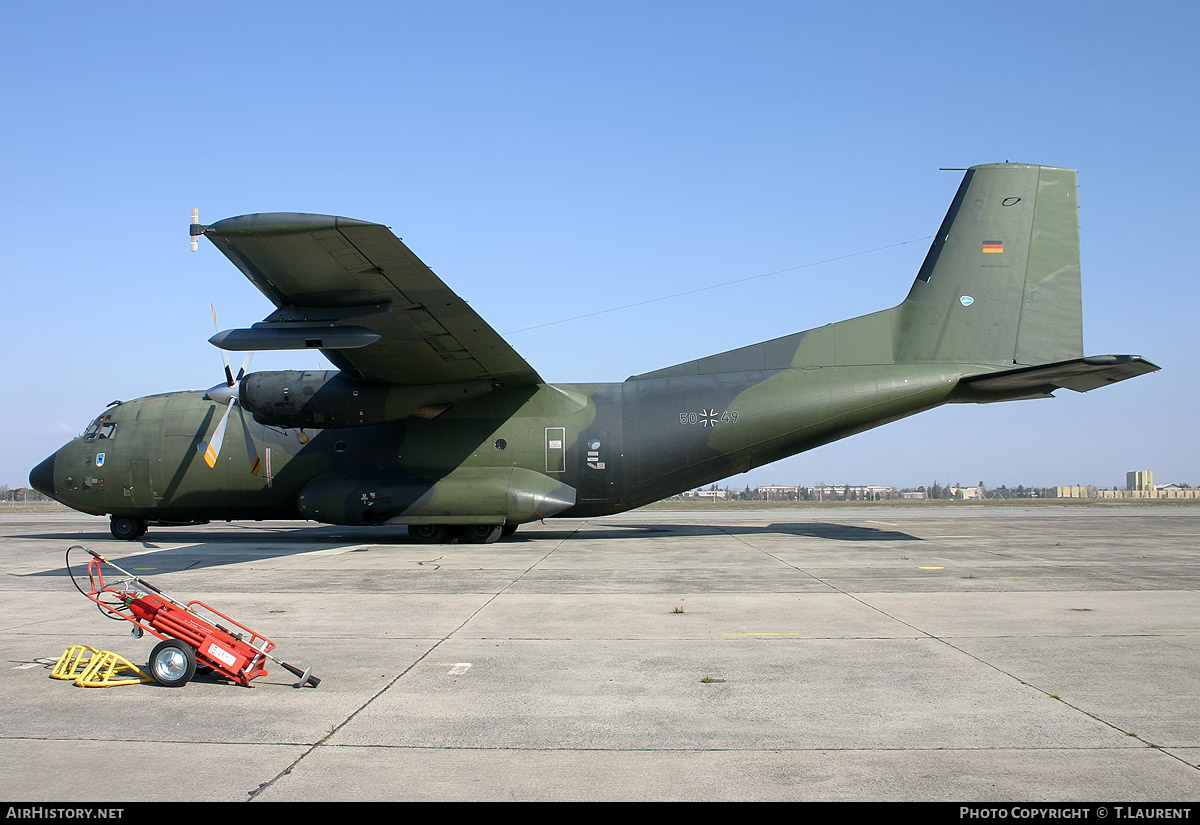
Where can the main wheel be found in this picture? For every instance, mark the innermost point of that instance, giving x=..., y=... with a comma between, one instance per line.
x=427, y=533
x=482, y=533
x=507, y=530
x=172, y=663
x=126, y=528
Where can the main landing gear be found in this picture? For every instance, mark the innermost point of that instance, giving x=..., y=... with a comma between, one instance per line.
x=471, y=533
x=127, y=528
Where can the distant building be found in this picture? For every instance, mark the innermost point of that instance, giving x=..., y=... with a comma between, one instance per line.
x=1141, y=481
x=1125, y=494
x=21, y=495
x=780, y=493
x=712, y=494
x=1175, y=491
x=1139, y=484
x=827, y=492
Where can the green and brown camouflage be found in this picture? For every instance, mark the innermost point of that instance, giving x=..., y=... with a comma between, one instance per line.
x=432, y=420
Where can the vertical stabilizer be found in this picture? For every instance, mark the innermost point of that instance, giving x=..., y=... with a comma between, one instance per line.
x=1000, y=284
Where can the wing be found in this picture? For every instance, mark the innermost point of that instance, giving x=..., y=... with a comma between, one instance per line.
x=353, y=290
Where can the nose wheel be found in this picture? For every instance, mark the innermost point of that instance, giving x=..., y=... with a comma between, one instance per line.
x=127, y=528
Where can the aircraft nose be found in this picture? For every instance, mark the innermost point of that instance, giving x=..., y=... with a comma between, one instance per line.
x=41, y=478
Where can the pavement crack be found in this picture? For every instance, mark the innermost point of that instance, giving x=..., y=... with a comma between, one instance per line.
x=922, y=633
x=324, y=741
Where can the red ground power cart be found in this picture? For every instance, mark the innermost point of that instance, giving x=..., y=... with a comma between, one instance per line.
x=194, y=636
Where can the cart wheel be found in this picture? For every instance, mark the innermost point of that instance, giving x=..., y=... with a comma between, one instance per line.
x=172, y=663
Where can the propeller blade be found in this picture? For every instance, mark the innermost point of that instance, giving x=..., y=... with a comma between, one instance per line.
x=245, y=366
x=214, y=445
x=228, y=393
x=251, y=449
x=224, y=356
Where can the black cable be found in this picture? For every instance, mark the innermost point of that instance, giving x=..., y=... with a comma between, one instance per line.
x=99, y=606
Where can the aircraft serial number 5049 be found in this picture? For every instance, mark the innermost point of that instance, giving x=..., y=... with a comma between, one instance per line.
x=709, y=418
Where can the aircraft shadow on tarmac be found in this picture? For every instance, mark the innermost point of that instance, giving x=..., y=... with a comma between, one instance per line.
x=206, y=549
x=819, y=530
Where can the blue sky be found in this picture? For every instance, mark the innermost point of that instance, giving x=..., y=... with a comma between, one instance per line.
x=551, y=160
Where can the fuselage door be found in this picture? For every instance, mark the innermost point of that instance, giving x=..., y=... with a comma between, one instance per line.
x=140, y=491
x=556, y=449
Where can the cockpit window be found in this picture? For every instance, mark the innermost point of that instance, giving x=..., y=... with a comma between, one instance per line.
x=100, y=428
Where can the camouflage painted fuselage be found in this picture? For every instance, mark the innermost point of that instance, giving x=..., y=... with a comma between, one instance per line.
x=617, y=446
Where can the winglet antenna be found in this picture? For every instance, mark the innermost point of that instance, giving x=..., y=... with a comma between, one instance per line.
x=196, y=230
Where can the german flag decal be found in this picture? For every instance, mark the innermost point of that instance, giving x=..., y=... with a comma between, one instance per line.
x=993, y=246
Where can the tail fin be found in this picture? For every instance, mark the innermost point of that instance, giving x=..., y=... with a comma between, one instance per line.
x=998, y=291
x=1000, y=285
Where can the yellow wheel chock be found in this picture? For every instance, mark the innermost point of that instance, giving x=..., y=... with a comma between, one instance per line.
x=74, y=660
x=97, y=668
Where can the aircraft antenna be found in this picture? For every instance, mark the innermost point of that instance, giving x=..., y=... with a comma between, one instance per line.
x=717, y=286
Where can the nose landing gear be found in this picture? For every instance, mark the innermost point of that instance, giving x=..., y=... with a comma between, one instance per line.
x=127, y=528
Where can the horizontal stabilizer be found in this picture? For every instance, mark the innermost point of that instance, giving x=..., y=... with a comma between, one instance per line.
x=1080, y=375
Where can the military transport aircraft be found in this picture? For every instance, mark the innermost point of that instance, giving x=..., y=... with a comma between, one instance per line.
x=433, y=421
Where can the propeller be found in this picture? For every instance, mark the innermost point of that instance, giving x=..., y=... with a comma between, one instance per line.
x=228, y=394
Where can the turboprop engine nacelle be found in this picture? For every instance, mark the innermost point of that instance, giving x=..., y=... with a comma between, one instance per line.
x=331, y=399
